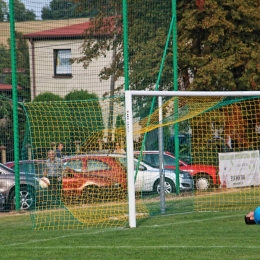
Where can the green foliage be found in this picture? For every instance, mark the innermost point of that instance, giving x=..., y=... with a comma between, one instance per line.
x=63, y=9
x=22, y=14
x=120, y=123
x=5, y=58
x=6, y=126
x=87, y=116
x=219, y=45
x=47, y=96
x=6, y=136
x=3, y=10
x=78, y=118
x=22, y=62
x=80, y=95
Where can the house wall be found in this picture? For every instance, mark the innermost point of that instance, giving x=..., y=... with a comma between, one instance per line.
x=86, y=79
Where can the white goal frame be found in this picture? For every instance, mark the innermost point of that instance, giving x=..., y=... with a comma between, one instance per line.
x=129, y=131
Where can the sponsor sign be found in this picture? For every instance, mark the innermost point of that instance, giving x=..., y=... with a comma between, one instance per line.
x=239, y=169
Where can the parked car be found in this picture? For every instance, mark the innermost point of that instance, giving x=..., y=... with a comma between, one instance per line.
x=84, y=186
x=93, y=177
x=103, y=165
x=2, y=202
x=31, y=166
x=205, y=176
x=148, y=177
x=7, y=189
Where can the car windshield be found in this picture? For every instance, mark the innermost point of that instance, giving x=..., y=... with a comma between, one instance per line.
x=152, y=159
x=31, y=168
x=123, y=161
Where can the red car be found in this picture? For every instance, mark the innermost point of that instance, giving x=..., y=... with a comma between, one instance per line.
x=205, y=176
x=92, y=175
x=88, y=187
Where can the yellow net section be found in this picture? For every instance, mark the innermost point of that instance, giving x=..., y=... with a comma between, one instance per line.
x=86, y=180
x=219, y=138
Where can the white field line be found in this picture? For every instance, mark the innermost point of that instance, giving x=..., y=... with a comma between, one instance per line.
x=137, y=247
x=88, y=232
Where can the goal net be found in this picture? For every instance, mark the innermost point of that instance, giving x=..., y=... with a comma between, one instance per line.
x=214, y=137
x=88, y=184
x=209, y=163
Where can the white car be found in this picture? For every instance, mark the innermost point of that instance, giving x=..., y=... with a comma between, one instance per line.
x=148, y=178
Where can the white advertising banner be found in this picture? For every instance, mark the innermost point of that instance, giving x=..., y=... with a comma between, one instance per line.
x=239, y=169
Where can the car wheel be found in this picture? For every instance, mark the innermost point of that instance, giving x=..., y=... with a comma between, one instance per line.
x=27, y=198
x=202, y=182
x=169, y=186
x=90, y=194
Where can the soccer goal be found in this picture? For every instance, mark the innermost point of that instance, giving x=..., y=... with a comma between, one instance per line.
x=218, y=132
x=212, y=166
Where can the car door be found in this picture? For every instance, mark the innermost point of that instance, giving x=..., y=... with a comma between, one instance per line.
x=146, y=177
x=139, y=176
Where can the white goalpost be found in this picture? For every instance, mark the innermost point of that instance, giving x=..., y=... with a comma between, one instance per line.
x=129, y=131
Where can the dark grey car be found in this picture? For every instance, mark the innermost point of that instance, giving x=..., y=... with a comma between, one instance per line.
x=7, y=189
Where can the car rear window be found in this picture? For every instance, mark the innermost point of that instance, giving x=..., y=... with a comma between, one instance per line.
x=76, y=165
x=95, y=165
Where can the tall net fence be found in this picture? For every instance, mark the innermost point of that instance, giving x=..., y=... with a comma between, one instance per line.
x=70, y=62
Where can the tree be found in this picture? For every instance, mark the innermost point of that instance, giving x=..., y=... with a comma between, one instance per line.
x=120, y=128
x=5, y=57
x=22, y=14
x=63, y=9
x=46, y=13
x=22, y=62
x=23, y=80
x=3, y=11
x=148, y=26
x=218, y=44
x=87, y=121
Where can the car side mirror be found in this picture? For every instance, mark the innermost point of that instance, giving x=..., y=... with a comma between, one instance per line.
x=142, y=168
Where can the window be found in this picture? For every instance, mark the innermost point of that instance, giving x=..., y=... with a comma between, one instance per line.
x=154, y=160
x=94, y=165
x=62, y=63
x=76, y=165
x=169, y=161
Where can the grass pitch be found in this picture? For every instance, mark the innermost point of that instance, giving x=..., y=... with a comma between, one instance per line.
x=201, y=235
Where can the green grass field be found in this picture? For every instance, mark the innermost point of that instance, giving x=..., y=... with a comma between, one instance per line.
x=207, y=235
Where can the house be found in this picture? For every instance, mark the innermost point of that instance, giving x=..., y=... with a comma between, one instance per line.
x=50, y=68
x=6, y=91
x=50, y=52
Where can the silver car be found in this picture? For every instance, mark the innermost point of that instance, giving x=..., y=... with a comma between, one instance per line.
x=148, y=178
x=7, y=189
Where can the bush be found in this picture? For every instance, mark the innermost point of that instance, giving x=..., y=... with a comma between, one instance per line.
x=48, y=96
x=88, y=121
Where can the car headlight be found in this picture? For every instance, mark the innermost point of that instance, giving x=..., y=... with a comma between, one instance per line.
x=185, y=175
